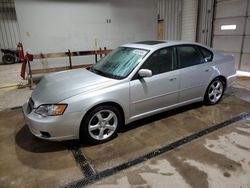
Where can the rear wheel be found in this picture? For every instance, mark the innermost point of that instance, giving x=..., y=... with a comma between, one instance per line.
x=101, y=124
x=8, y=59
x=215, y=91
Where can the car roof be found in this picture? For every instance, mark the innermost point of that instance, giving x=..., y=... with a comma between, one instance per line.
x=153, y=45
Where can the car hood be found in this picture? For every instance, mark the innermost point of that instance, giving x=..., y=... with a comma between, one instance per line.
x=56, y=87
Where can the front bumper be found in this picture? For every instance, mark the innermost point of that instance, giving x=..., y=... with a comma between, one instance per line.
x=64, y=127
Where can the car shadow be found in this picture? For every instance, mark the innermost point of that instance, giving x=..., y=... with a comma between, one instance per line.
x=40, y=154
x=157, y=117
x=146, y=121
x=26, y=141
x=242, y=94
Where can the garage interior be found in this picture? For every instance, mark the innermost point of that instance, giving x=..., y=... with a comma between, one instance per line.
x=192, y=146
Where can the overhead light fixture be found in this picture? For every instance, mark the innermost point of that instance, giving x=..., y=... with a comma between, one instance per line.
x=228, y=27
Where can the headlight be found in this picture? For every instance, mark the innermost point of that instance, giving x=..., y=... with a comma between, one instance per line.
x=51, y=109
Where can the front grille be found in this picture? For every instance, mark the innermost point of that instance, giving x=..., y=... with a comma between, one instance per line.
x=30, y=105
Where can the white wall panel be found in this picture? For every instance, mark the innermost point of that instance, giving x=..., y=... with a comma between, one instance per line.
x=239, y=22
x=54, y=26
x=248, y=12
x=248, y=26
x=233, y=12
x=227, y=43
x=246, y=48
x=245, y=62
x=230, y=8
x=82, y=25
x=49, y=26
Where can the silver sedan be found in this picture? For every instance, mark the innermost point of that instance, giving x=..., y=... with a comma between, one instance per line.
x=134, y=81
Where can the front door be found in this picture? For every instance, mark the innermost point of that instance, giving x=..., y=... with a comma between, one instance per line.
x=159, y=91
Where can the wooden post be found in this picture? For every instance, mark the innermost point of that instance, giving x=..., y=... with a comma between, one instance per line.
x=95, y=57
x=105, y=50
x=30, y=73
x=70, y=61
x=100, y=54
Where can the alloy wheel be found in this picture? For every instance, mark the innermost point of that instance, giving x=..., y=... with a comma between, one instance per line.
x=215, y=91
x=102, y=125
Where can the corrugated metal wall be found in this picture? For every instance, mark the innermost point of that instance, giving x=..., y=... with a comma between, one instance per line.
x=233, y=13
x=173, y=19
x=169, y=13
x=180, y=18
x=189, y=19
x=9, y=30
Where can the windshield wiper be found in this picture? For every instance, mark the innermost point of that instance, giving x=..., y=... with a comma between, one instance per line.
x=116, y=77
x=92, y=69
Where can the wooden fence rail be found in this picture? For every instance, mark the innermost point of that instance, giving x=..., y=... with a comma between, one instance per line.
x=68, y=54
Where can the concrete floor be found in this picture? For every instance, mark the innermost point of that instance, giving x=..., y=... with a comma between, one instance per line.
x=10, y=74
x=157, y=131
x=219, y=159
x=26, y=161
x=10, y=96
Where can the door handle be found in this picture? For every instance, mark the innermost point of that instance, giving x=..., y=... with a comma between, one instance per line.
x=172, y=79
x=208, y=70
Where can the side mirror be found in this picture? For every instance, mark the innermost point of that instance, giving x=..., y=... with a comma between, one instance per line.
x=145, y=73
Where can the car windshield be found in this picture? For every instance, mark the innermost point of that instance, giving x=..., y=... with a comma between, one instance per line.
x=119, y=63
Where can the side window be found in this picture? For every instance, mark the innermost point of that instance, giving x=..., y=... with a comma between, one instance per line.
x=161, y=61
x=188, y=56
x=208, y=55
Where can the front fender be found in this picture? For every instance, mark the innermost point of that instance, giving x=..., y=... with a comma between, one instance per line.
x=84, y=102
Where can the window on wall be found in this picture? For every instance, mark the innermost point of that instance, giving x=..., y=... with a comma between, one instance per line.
x=161, y=61
x=188, y=56
x=228, y=27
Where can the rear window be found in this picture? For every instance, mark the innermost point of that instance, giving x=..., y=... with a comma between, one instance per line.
x=207, y=54
x=188, y=55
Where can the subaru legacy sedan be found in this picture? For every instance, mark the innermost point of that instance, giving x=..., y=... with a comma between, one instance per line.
x=134, y=81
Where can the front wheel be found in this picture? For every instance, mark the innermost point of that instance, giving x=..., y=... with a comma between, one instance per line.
x=215, y=91
x=101, y=124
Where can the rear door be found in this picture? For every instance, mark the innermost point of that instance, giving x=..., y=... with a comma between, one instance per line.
x=159, y=91
x=195, y=72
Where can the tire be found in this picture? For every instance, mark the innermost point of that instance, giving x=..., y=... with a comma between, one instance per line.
x=214, y=92
x=8, y=59
x=101, y=124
